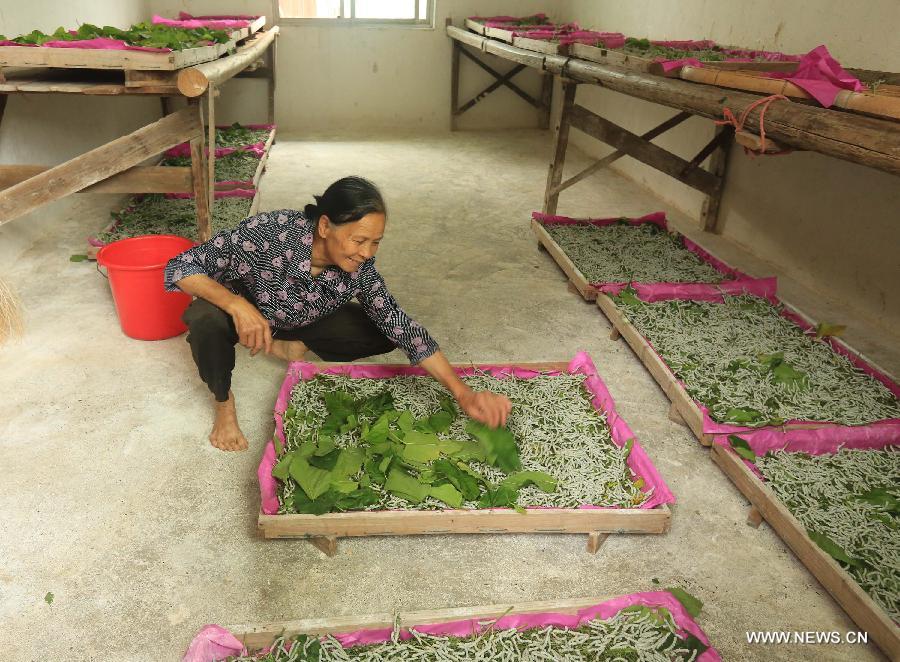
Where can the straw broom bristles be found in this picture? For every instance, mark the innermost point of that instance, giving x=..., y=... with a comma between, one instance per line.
x=11, y=324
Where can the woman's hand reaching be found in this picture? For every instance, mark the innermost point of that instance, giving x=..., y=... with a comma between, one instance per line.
x=485, y=407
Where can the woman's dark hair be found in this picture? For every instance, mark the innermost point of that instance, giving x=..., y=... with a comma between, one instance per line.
x=346, y=201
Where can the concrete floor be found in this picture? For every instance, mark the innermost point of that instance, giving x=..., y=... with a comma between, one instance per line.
x=114, y=501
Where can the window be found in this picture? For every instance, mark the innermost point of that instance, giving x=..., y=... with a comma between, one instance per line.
x=356, y=12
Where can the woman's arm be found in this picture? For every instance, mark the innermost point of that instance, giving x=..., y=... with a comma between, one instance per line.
x=252, y=328
x=484, y=406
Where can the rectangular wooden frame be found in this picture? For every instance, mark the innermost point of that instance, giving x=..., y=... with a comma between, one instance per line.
x=683, y=410
x=260, y=636
x=573, y=273
x=324, y=530
x=848, y=594
x=620, y=58
x=87, y=58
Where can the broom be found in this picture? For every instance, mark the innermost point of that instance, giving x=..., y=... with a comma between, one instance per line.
x=11, y=324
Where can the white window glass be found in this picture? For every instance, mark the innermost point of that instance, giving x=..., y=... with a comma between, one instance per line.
x=386, y=9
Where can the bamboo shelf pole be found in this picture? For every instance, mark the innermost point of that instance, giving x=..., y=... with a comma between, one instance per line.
x=194, y=81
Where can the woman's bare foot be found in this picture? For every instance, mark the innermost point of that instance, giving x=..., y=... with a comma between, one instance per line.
x=226, y=434
x=289, y=350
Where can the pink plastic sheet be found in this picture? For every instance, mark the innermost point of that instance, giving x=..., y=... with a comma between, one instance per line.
x=101, y=43
x=821, y=76
x=184, y=16
x=469, y=627
x=737, y=283
x=638, y=461
x=184, y=149
x=506, y=19
x=197, y=23
x=213, y=643
x=592, y=38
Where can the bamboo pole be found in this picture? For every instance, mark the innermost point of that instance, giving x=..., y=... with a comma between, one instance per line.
x=870, y=104
x=194, y=81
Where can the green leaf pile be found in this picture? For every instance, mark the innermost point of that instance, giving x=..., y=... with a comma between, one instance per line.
x=418, y=452
x=849, y=503
x=148, y=35
x=634, y=633
x=625, y=253
x=400, y=455
x=751, y=366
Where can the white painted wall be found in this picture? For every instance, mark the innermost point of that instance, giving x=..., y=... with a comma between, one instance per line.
x=50, y=129
x=832, y=225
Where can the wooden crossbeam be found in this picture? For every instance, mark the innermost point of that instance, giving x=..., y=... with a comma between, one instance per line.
x=98, y=164
x=645, y=152
x=719, y=139
x=618, y=154
x=139, y=179
x=554, y=176
x=501, y=79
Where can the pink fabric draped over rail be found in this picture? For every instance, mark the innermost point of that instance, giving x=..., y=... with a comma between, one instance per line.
x=737, y=282
x=184, y=149
x=821, y=76
x=233, y=193
x=638, y=461
x=214, y=643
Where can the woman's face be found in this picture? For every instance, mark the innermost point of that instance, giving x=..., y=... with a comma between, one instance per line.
x=347, y=246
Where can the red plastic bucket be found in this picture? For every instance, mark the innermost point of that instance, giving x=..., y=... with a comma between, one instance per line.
x=135, y=268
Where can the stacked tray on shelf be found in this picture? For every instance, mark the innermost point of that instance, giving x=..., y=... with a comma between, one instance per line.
x=241, y=155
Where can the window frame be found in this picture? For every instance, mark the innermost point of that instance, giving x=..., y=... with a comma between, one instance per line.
x=424, y=23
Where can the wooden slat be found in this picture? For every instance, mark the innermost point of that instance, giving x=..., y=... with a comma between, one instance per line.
x=454, y=83
x=98, y=164
x=561, y=144
x=718, y=166
x=848, y=594
x=265, y=157
x=686, y=407
x=259, y=636
x=139, y=179
x=564, y=262
x=646, y=152
x=474, y=26
x=415, y=522
x=199, y=175
x=540, y=45
x=618, y=154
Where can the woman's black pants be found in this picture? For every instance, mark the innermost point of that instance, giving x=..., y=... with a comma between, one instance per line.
x=345, y=335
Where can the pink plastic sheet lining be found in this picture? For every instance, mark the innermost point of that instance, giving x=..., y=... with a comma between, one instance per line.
x=638, y=461
x=812, y=442
x=737, y=283
x=876, y=434
x=184, y=149
x=214, y=643
x=197, y=23
x=98, y=43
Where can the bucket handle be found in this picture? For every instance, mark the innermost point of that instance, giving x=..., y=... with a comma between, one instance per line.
x=97, y=265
